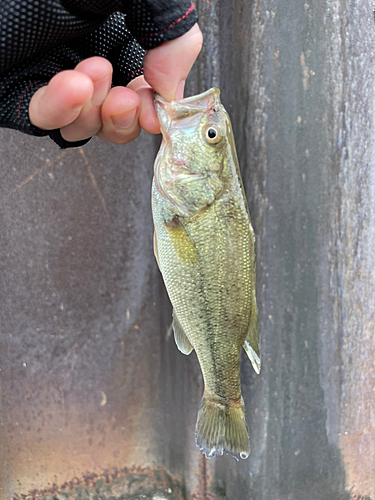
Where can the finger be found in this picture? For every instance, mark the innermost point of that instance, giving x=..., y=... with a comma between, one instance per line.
x=120, y=114
x=89, y=121
x=60, y=102
x=167, y=66
x=148, y=119
x=100, y=71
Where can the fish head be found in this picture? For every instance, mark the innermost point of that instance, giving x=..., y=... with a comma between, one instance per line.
x=190, y=168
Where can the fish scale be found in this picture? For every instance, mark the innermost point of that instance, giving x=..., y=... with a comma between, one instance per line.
x=204, y=246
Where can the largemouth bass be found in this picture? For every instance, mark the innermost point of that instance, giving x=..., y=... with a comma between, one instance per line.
x=204, y=246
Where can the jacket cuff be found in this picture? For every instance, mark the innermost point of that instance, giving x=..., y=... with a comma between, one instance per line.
x=56, y=136
x=153, y=22
x=17, y=117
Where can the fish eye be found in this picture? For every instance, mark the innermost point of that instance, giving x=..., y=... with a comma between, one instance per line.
x=212, y=135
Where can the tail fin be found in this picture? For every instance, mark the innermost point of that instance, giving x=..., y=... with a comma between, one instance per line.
x=221, y=427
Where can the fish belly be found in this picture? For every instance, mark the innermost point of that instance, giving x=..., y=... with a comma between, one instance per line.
x=207, y=263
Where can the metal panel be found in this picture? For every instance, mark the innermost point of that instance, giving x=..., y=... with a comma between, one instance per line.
x=95, y=400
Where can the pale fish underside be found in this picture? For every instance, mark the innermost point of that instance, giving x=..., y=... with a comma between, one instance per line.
x=204, y=246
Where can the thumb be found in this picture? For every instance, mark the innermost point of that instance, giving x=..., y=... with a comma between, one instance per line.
x=167, y=66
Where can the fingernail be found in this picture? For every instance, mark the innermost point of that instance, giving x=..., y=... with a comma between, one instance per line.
x=125, y=120
x=180, y=90
x=101, y=89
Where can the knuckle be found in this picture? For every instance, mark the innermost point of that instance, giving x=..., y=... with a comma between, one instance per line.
x=119, y=136
x=79, y=130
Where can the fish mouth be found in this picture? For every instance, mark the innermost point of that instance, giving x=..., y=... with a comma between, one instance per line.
x=172, y=169
x=201, y=103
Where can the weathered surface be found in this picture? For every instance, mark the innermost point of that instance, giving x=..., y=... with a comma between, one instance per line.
x=133, y=484
x=85, y=372
x=88, y=380
x=304, y=134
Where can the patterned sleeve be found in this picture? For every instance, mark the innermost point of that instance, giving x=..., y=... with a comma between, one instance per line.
x=40, y=38
x=153, y=22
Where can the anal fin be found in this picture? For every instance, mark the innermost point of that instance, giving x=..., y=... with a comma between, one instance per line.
x=180, y=337
x=251, y=344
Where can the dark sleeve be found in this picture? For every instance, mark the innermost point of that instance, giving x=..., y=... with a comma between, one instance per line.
x=40, y=38
x=153, y=22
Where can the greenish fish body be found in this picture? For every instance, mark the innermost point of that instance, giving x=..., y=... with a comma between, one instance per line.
x=204, y=246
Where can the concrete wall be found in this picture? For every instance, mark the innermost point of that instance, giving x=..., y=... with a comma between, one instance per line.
x=95, y=400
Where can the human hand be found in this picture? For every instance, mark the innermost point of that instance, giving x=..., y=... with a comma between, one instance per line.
x=81, y=102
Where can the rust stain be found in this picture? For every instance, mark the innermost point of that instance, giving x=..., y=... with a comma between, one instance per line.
x=37, y=172
x=96, y=187
x=115, y=483
x=204, y=481
x=67, y=438
x=359, y=471
x=357, y=427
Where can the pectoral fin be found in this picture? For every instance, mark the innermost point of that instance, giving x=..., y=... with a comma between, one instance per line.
x=251, y=344
x=181, y=241
x=180, y=337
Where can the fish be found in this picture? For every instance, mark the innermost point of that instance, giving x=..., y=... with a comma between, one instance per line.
x=205, y=250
